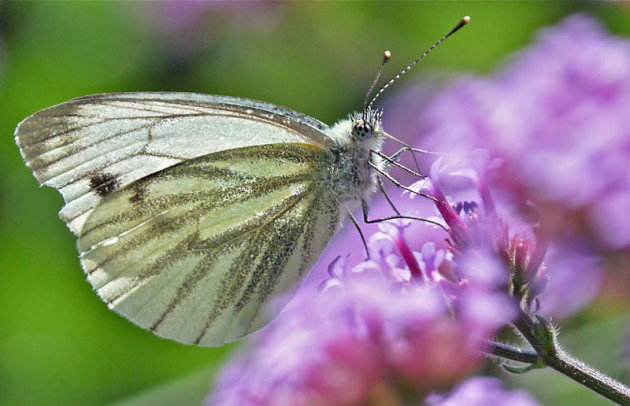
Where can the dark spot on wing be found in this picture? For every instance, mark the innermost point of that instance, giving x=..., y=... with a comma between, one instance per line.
x=103, y=183
x=139, y=190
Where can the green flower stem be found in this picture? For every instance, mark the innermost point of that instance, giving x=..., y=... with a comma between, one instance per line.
x=542, y=337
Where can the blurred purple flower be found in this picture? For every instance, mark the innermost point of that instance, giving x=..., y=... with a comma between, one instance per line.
x=182, y=15
x=574, y=280
x=481, y=391
x=386, y=326
x=187, y=27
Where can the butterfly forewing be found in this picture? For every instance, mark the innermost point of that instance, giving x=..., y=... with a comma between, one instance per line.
x=89, y=146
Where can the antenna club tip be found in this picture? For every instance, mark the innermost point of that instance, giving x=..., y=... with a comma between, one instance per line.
x=459, y=25
x=386, y=56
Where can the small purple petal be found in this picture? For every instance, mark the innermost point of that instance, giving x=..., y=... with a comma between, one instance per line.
x=482, y=391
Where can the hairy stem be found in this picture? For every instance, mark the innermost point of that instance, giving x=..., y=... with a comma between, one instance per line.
x=542, y=337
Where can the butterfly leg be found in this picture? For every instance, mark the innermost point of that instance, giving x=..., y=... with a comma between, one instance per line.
x=396, y=154
x=365, y=207
x=393, y=160
x=356, y=224
x=400, y=185
x=406, y=147
x=382, y=188
x=413, y=150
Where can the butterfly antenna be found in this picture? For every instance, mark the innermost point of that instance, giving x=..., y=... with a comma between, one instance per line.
x=459, y=25
x=386, y=56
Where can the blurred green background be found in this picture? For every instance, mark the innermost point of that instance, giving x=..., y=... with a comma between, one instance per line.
x=58, y=343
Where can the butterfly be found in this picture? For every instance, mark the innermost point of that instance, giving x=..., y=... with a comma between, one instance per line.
x=194, y=211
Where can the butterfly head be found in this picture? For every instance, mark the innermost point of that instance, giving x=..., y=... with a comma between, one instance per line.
x=366, y=124
x=362, y=129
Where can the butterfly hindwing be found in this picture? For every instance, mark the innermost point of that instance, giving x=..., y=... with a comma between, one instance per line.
x=194, y=251
x=90, y=146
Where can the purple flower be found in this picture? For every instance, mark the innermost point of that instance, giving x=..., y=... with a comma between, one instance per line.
x=347, y=244
x=482, y=391
x=557, y=116
x=387, y=326
x=480, y=236
x=557, y=120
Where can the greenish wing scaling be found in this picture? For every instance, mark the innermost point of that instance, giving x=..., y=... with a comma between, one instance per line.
x=194, y=252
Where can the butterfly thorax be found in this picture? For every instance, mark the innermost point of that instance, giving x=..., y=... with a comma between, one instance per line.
x=351, y=174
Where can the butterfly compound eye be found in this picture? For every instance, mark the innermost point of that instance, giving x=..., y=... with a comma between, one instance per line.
x=361, y=129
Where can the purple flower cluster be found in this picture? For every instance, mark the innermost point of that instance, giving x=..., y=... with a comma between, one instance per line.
x=478, y=235
x=556, y=120
x=348, y=354
x=557, y=117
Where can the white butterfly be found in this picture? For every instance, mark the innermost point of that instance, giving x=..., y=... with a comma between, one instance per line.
x=194, y=211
